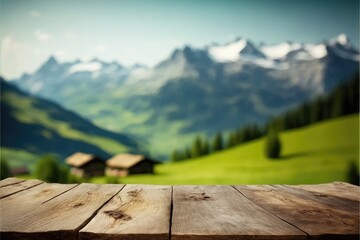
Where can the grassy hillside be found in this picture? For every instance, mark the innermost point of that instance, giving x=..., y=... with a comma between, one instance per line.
x=31, y=127
x=318, y=153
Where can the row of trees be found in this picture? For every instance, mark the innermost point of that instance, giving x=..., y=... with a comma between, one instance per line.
x=341, y=101
x=202, y=146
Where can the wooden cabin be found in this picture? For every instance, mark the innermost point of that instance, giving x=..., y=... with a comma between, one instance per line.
x=126, y=164
x=86, y=165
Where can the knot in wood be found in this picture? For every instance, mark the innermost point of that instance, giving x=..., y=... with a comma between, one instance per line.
x=117, y=214
x=77, y=205
x=198, y=196
x=134, y=193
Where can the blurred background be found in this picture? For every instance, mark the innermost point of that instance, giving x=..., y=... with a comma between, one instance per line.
x=180, y=92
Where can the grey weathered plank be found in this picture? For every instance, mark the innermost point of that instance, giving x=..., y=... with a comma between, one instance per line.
x=330, y=201
x=313, y=217
x=18, y=187
x=336, y=189
x=9, y=181
x=58, y=218
x=221, y=212
x=137, y=212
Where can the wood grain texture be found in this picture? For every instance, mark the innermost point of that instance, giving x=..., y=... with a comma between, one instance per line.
x=9, y=181
x=313, y=217
x=336, y=189
x=23, y=206
x=221, y=212
x=90, y=211
x=330, y=201
x=18, y=187
x=137, y=212
x=58, y=218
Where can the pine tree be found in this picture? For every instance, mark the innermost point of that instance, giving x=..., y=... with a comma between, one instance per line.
x=353, y=173
x=239, y=136
x=217, y=144
x=5, y=170
x=205, y=148
x=187, y=153
x=273, y=144
x=196, y=150
x=175, y=156
x=232, y=140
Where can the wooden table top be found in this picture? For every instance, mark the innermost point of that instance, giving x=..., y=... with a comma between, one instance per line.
x=32, y=209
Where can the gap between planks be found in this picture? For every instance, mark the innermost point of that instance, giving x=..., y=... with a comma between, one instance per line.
x=333, y=201
x=60, y=194
x=17, y=187
x=10, y=181
x=136, y=212
x=171, y=210
x=319, y=219
x=95, y=212
x=272, y=212
x=291, y=191
x=52, y=224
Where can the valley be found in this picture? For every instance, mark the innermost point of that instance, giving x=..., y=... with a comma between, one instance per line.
x=195, y=90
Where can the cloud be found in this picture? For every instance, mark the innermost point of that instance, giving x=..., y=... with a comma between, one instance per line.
x=176, y=42
x=70, y=35
x=42, y=36
x=81, y=67
x=17, y=57
x=9, y=45
x=61, y=54
x=230, y=37
x=35, y=14
x=101, y=48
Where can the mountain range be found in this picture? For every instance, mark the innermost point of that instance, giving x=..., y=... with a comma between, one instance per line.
x=195, y=90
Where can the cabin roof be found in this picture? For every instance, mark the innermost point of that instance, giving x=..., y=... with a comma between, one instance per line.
x=79, y=159
x=124, y=160
x=19, y=170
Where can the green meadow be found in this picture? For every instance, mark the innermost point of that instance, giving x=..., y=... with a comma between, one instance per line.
x=26, y=113
x=318, y=153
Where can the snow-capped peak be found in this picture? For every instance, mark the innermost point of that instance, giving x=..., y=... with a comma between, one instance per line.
x=278, y=51
x=341, y=39
x=228, y=52
x=316, y=51
x=234, y=51
x=341, y=46
x=92, y=66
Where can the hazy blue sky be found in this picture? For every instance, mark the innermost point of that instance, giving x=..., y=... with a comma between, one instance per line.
x=147, y=31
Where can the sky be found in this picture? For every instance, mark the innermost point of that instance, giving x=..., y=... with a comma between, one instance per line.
x=147, y=31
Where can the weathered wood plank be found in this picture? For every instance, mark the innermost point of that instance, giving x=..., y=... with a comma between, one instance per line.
x=137, y=212
x=59, y=218
x=313, y=217
x=18, y=187
x=336, y=189
x=221, y=212
x=23, y=206
x=37, y=196
x=9, y=181
x=330, y=201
